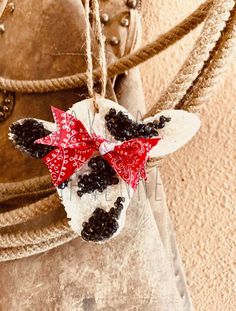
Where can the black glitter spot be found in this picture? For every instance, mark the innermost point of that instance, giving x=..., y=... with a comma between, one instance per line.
x=24, y=135
x=102, y=176
x=102, y=225
x=122, y=128
x=63, y=185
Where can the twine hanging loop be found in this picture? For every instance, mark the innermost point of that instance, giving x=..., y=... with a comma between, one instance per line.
x=92, y=13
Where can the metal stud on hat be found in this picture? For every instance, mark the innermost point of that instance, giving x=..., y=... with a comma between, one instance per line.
x=7, y=103
x=2, y=28
x=5, y=108
x=132, y=4
x=114, y=41
x=124, y=22
x=11, y=7
x=104, y=18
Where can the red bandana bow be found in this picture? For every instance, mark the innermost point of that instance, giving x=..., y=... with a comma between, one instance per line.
x=75, y=146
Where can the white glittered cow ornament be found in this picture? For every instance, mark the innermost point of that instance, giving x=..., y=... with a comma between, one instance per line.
x=96, y=158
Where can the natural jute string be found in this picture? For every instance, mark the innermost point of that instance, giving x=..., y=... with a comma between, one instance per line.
x=99, y=37
x=198, y=75
x=101, y=48
x=88, y=48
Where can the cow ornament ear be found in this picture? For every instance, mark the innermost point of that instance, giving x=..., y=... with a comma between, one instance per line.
x=94, y=155
x=24, y=132
x=177, y=132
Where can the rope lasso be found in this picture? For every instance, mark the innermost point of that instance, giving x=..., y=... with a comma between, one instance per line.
x=194, y=64
x=22, y=251
x=30, y=211
x=222, y=38
x=212, y=72
x=123, y=64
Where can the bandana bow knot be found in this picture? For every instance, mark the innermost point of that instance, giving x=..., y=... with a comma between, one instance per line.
x=74, y=146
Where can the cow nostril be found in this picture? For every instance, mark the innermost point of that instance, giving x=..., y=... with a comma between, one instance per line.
x=102, y=176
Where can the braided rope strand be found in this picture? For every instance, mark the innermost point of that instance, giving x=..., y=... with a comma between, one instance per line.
x=212, y=73
x=88, y=49
x=35, y=236
x=101, y=44
x=13, y=253
x=215, y=23
x=29, y=212
x=29, y=185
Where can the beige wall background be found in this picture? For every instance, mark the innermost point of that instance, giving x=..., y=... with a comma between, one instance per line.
x=200, y=179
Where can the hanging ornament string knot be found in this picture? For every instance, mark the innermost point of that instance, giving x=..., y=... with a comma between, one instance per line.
x=74, y=146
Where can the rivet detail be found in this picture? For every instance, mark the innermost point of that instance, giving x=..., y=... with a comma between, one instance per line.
x=7, y=104
x=114, y=41
x=7, y=100
x=124, y=22
x=132, y=4
x=2, y=28
x=5, y=108
x=11, y=7
x=104, y=18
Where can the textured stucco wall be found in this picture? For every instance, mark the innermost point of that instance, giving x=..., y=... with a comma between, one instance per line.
x=200, y=178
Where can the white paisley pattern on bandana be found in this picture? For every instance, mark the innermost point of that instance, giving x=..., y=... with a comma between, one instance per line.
x=75, y=146
x=129, y=159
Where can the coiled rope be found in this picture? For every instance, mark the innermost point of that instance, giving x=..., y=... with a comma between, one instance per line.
x=211, y=73
x=192, y=85
x=213, y=28
x=125, y=63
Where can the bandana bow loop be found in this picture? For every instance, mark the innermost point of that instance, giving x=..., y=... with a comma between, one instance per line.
x=74, y=146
